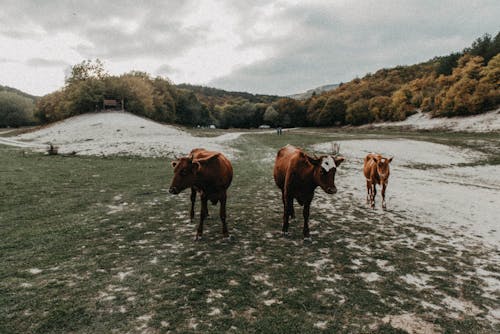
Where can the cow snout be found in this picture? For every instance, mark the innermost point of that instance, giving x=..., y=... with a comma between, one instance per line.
x=173, y=190
x=332, y=190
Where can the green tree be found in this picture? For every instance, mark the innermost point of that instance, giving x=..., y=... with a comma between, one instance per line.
x=448, y=63
x=87, y=69
x=314, y=109
x=15, y=110
x=271, y=116
x=358, y=113
x=333, y=112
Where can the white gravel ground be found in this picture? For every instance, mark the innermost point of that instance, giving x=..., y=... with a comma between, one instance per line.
x=118, y=133
x=445, y=196
x=486, y=122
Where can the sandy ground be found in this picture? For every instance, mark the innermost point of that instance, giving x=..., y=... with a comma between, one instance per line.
x=440, y=193
x=486, y=122
x=118, y=133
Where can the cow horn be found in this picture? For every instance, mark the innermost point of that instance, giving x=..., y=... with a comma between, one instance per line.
x=335, y=148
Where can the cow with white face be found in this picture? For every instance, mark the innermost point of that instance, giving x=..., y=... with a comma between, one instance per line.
x=297, y=175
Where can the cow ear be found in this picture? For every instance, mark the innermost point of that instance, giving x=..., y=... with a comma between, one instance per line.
x=390, y=159
x=313, y=161
x=339, y=160
x=174, y=163
x=196, y=166
x=375, y=158
x=210, y=157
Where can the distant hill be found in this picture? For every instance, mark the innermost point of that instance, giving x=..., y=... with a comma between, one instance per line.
x=318, y=90
x=215, y=96
x=18, y=92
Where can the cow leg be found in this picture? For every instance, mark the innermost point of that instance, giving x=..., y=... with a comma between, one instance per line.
x=199, y=230
x=206, y=211
x=368, y=192
x=287, y=202
x=374, y=193
x=305, y=213
x=292, y=210
x=292, y=213
x=384, y=186
x=193, y=200
x=225, y=233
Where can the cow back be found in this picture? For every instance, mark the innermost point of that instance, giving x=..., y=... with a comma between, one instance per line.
x=216, y=174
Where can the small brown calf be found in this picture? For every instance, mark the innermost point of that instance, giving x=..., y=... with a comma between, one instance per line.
x=376, y=170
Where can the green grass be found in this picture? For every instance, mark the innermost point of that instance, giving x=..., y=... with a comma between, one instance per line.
x=116, y=253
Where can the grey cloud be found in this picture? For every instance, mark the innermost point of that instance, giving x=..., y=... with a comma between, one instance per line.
x=328, y=42
x=333, y=43
x=6, y=60
x=41, y=62
x=166, y=70
x=151, y=39
x=158, y=32
x=19, y=34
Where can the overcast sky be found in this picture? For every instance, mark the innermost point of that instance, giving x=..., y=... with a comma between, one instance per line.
x=274, y=47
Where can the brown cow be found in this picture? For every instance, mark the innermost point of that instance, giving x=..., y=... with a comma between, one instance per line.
x=376, y=170
x=297, y=175
x=210, y=174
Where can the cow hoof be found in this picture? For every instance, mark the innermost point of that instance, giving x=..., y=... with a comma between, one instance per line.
x=307, y=239
x=228, y=238
x=285, y=234
x=198, y=238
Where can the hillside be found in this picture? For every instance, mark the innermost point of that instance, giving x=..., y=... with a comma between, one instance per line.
x=18, y=92
x=116, y=133
x=461, y=84
x=485, y=122
x=215, y=96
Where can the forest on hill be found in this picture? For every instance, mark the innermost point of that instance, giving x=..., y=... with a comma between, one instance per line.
x=462, y=83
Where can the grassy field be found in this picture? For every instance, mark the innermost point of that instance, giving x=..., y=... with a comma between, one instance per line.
x=97, y=245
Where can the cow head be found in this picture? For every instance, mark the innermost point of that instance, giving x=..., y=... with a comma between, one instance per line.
x=186, y=170
x=325, y=168
x=383, y=169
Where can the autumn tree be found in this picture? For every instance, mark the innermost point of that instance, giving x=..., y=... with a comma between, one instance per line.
x=87, y=69
x=271, y=116
x=332, y=113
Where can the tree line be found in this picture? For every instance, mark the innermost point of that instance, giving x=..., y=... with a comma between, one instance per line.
x=462, y=83
x=157, y=98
